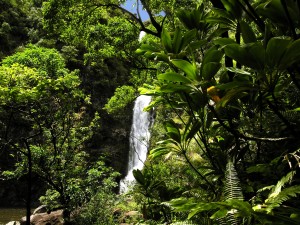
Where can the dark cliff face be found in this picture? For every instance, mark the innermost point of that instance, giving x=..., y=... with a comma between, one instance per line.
x=112, y=141
x=112, y=138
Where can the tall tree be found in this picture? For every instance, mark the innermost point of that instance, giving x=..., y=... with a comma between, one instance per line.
x=42, y=112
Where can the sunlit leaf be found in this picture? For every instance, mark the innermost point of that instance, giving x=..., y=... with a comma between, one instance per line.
x=189, y=69
x=174, y=77
x=166, y=40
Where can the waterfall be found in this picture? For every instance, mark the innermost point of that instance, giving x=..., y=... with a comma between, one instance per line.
x=139, y=140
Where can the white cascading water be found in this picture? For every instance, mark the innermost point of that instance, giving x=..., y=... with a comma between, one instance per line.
x=139, y=140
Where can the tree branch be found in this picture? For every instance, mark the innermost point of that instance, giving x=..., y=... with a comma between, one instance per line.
x=138, y=19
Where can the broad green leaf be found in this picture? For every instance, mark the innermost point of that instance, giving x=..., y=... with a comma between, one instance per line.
x=138, y=176
x=194, y=129
x=259, y=168
x=210, y=64
x=148, y=91
x=185, y=17
x=238, y=71
x=210, y=69
x=201, y=207
x=161, y=57
x=244, y=208
x=221, y=13
x=197, y=44
x=189, y=69
x=224, y=41
x=224, y=21
x=247, y=32
x=174, y=77
x=149, y=55
x=166, y=40
x=221, y=213
x=177, y=41
x=182, y=204
x=212, y=55
x=251, y=55
x=233, y=7
x=188, y=38
x=257, y=52
x=157, y=152
x=292, y=54
x=140, y=51
x=154, y=103
x=236, y=52
x=273, y=10
x=150, y=48
x=172, y=88
x=233, y=94
x=172, y=131
x=275, y=51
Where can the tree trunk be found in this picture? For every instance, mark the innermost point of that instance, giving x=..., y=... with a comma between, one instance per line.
x=29, y=184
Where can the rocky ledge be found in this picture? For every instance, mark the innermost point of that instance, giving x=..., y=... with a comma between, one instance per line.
x=40, y=216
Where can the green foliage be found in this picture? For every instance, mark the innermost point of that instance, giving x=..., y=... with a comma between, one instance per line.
x=225, y=82
x=122, y=97
x=44, y=125
x=104, y=33
x=85, y=188
x=14, y=27
x=47, y=61
x=99, y=210
x=225, y=94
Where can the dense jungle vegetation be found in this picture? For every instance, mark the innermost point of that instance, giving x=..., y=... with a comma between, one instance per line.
x=224, y=76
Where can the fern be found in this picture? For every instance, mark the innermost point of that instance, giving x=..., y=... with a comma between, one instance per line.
x=279, y=194
x=283, y=196
x=291, y=115
x=232, y=188
x=280, y=184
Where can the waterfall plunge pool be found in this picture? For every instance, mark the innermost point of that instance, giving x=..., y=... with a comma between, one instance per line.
x=11, y=214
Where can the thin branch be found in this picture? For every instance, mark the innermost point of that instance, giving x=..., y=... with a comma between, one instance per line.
x=202, y=176
x=152, y=19
x=283, y=119
x=138, y=20
x=243, y=136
